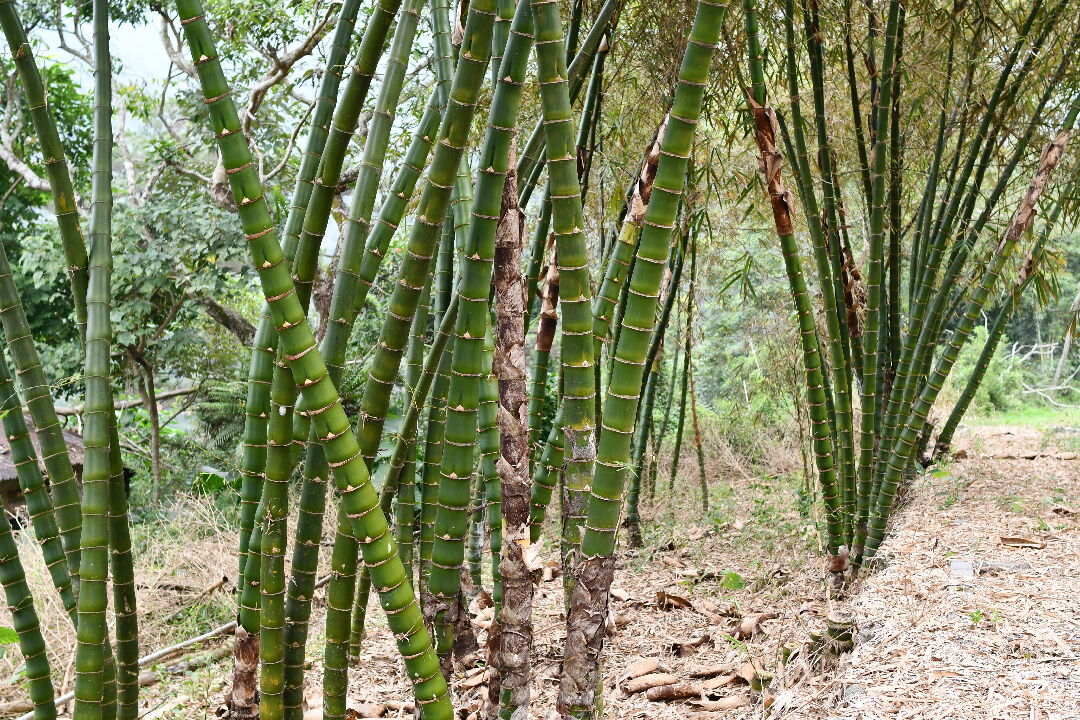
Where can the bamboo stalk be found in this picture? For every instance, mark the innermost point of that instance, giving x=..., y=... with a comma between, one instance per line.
x=309, y=370
x=577, y=691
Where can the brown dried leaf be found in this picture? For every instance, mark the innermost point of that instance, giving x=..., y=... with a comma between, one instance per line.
x=667, y=601
x=751, y=624
x=641, y=666
x=620, y=594
x=1023, y=542
x=718, y=682
x=705, y=671
x=475, y=678
x=677, y=691
x=356, y=711
x=731, y=702
x=645, y=682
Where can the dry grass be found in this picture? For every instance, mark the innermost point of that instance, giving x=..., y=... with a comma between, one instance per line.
x=753, y=552
x=187, y=549
x=959, y=624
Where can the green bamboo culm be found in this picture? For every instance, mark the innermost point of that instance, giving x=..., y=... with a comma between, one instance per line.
x=578, y=689
x=765, y=135
x=35, y=387
x=644, y=426
x=443, y=184
x=32, y=483
x=260, y=370
x=125, y=603
x=37, y=395
x=529, y=164
x=402, y=449
x=436, y=419
x=272, y=542
x=331, y=130
x=489, y=451
x=93, y=628
x=349, y=288
x=24, y=620
x=907, y=439
x=343, y=127
x=59, y=175
x=993, y=337
x=551, y=452
x=310, y=373
x=343, y=311
x=405, y=506
x=576, y=416
x=826, y=257
x=466, y=370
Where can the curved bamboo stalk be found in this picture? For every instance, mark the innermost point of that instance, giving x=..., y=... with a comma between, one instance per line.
x=343, y=311
x=298, y=344
x=260, y=372
x=65, y=206
x=907, y=439
x=312, y=196
x=25, y=622
x=32, y=482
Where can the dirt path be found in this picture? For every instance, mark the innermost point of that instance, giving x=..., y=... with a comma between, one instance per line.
x=975, y=613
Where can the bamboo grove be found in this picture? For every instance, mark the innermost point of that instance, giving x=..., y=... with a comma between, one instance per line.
x=505, y=286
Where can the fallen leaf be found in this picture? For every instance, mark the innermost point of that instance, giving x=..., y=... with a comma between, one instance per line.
x=357, y=711
x=667, y=601
x=731, y=702
x=756, y=679
x=705, y=671
x=645, y=682
x=682, y=648
x=677, y=691
x=1066, y=456
x=620, y=594
x=938, y=674
x=1022, y=542
x=641, y=666
x=718, y=682
x=475, y=678
x=751, y=624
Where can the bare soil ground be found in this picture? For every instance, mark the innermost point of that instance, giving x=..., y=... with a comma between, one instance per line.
x=957, y=623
